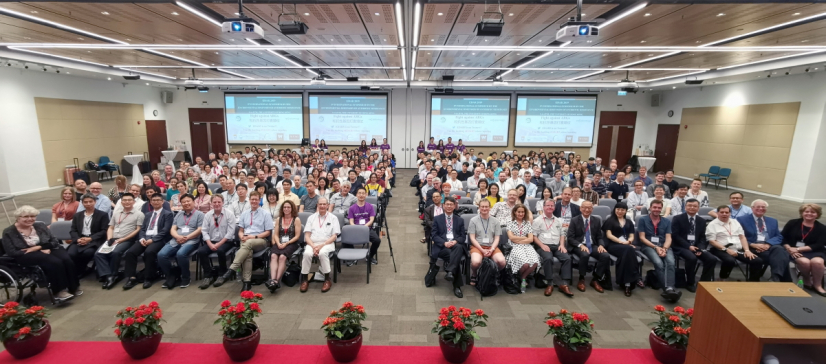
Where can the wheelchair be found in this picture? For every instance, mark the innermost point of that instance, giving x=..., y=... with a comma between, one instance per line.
x=18, y=283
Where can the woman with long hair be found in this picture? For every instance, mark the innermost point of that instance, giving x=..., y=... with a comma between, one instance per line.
x=483, y=191
x=322, y=145
x=363, y=149
x=374, y=145
x=147, y=183
x=287, y=230
x=520, y=192
x=203, y=196
x=66, y=208
x=493, y=194
x=619, y=238
x=547, y=194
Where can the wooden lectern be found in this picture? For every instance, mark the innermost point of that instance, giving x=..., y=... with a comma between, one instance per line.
x=731, y=324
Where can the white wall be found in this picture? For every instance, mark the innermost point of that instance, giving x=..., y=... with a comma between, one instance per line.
x=22, y=167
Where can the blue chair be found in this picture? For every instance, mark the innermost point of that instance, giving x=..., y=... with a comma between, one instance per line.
x=107, y=165
x=712, y=171
x=722, y=176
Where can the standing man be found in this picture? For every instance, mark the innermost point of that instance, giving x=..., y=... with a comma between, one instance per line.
x=549, y=240
x=669, y=180
x=218, y=231
x=230, y=195
x=362, y=213
x=186, y=233
x=88, y=232
x=465, y=173
x=449, y=244
x=765, y=240
x=319, y=235
x=585, y=240
x=655, y=234
x=735, y=206
x=152, y=237
x=123, y=228
x=688, y=231
x=644, y=177
x=538, y=181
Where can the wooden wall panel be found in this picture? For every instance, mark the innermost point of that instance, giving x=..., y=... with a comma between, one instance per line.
x=87, y=130
x=753, y=140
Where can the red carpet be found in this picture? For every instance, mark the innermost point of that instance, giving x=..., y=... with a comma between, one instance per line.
x=66, y=352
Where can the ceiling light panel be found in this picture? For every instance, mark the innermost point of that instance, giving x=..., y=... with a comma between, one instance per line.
x=713, y=60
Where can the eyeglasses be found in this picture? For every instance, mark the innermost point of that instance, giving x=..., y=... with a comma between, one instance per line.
x=29, y=217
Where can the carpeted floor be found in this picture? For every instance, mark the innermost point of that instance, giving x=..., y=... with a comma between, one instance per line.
x=111, y=352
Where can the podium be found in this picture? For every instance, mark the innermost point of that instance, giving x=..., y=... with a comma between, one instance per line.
x=731, y=325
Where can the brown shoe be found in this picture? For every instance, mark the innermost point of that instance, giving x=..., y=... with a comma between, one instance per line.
x=305, y=286
x=596, y=286
x=565, y=290
x=326, y=286
x=581, y=285
x=548, y=290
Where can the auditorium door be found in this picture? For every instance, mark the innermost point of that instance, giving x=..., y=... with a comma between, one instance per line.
x=156, y=140
x=666, y=147
x=206, y=129
x=616, y=136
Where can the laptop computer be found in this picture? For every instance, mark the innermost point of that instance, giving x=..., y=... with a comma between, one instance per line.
x=800, y=312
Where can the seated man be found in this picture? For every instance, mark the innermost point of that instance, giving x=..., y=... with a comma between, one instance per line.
x=729, y=244
x=473, y=181
x=655, y=235
x=679, y=200
x=362, y=213
x=449, y=244
x=153, y=236
x=765, y=240
x=88, y=232
x=688, y=232
x=549, y=239
x=146, y=207
x=320, y=234
x=644, y=177
x=255, y=228
x=618, y=190
x=735, y=206
x=538, y=181
x=697, y=193
x=310, y=200
x=340, y=202
x=102, y=202
x=186, y=234
x=484, y=231
x=218, y=231
x=599, y=185
x=585, y=240
x=453, y=180
x=241, y=202
x=123, y=228
x=659, y=181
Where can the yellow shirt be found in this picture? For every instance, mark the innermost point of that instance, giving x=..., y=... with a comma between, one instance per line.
x=374, y=187
x=493, y=199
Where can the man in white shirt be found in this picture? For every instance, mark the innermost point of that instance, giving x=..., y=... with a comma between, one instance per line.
x=502, y=210
x=455, y=183
x=679, y=200
x=473, y=181
x=218, y=231
x=242, y=203
x=514, y=181
x=319, y=235
x=502, y=183
x=636, y=200
x=530, y=188
x=696, y=193
x=728, y=243
x=549, y=239
x=135, y=191
x=255, y=229
x=230, y=195
x=247, y=152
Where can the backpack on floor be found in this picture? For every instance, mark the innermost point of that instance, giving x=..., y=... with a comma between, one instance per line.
x=430, y=277
x=651, y=279
x=680, y=278
x=539, y=281
x=291, y=275
x=509, y=282
x=487, y=278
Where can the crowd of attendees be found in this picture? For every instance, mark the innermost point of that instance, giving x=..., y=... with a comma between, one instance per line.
x=657, y=219
x=197, y=209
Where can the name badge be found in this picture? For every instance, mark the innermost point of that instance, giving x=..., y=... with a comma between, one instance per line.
x=285, y=239
x=486, y=241
x=691, y=237
x=449, y=236
x=362, y=222
x=61, y=219
x=566, y=220
x=117, y=230
x=761, y=237
x=185, y=230
x=800, y=244
x=546, y=235
x=655, y=239
x=623, y=239
x=152, y=232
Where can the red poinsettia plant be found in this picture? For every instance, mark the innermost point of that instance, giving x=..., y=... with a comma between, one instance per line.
x=673, y=326
x=237, y=320
x=137, y=322
x=456, y=324
x=345, y=323
x=18, y=322
x=573, y=329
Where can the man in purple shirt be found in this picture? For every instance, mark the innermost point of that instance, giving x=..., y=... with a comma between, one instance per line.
x=384, y=145
x=449, y=147
x=362, y=213
x=431, y=146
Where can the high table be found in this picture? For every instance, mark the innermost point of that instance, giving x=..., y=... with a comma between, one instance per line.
x=646, y=162
x=134, y=159
x=170, y=154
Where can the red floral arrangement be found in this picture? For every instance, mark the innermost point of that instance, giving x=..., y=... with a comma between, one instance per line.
x=237, y=320
x=456, y=324
x=572, y=329
x=137, y=322
x=17, y=322
x=675, y=326
x=345, y=324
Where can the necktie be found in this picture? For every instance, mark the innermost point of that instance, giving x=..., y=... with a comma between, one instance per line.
x=682, y=206
x=691, y=222
x=449, y=223
x=154, y=219
x=760, y=226
x=588, y=233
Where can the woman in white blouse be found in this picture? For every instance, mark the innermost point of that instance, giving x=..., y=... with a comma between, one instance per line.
x=482, y=193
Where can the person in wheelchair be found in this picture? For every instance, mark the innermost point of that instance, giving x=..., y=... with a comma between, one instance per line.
x=33, y=244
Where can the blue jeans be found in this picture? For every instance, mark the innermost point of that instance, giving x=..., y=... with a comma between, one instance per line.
x=663, y=267
x=180, y=253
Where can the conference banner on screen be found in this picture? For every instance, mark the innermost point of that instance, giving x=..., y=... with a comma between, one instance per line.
x=264, y=118
x=348, y=119
x=555, y=121
x=477, y=120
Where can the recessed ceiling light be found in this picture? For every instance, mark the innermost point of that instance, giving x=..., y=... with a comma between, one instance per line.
x=147, y=83
x=431, y=40
x=34, y=11
x=651, y=55
x=473, y=54
x=795, y=14
x=88, y=51
x=104, y=12
x=642, y=41
x=109, y=78
x=699, y=41
x=804, y=41
x=376, y=14
x=80, y=38
x=721, y=14
x=306, y=14
x=647, y=14
x=540, y=40
x=128, y=40
x=589, y=41
x=440, y=14
x=510, y=14
x=69, y=73
x=216, y=52
x=429, y=53
x=213, y=64
x=518, y=54
x=385, y=40
x=673, y=87
x=486, y=40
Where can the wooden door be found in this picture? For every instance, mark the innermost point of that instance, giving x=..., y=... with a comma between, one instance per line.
x=200, y=140
x=616, y=136
x=217, y=134
x=201, y=131
x=605, y=139
x=156, y=139
x=625, y=145
x=666, y=146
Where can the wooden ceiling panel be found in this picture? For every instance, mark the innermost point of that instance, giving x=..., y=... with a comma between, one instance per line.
x=59, y=13
x=635, y=75
x=115, y=57
x=811, y=34
x=184, y=73
x=711, y=59
x=13, y=30
x=541, y=75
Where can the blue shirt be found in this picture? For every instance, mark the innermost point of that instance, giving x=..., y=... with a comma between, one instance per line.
x=646, y=226
x=103, y=203
x=301, y=191
x=645, y=180
x=255, y=222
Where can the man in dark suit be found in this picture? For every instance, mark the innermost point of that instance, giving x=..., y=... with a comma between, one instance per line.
x=154, y=234
x=449, y=244
x=688, y=231
x=565, y=209
x=430, y=212
x=765, y=240
x=585, y=240
x=88, y=233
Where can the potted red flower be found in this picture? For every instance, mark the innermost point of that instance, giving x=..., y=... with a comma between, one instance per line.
x=139, y=329
x=343, y=330
x=456, y=334
x=25, y=331
x=669, y=337
x=572, y=335
x=241, y=335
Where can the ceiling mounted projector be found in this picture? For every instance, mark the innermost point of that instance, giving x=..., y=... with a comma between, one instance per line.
x=574, y=30
x=292, y=27
x=318, y=81
x=193, y=82
x=242, y=27
x=490, y=27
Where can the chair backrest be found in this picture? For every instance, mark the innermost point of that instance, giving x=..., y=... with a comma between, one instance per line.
x=465, y=201
x=471, y=195
x=466, y=218
x=213, y=186
x=713, y=169
x=503, y=238
x=545, y=176
x=644, y=211
x=103, y=160
x=355, y=234
x=303, y=216
x=45, y=216
x=464, y=185
x=602, y=211
x=372, y=200
x=705, y=210
x=61, y=230
x=342, y=220
x=473, y=208
x=637, y=221
x=531, y=202
x=725, y=172
x=608, y=202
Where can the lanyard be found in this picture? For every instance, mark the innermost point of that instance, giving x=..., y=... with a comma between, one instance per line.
x=252, y=215
x=728, y=228
x=565, y=210
x=218, y=219
x=548, y=226
x=657, y=225
x=321, y=223
x=186, y=221
x=121, y=217
x=286, y=226
x=806, y=234
x=485, y=226
x=520, y=226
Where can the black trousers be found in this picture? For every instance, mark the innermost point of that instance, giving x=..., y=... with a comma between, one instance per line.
x=452, y=258
x=150, y=259
x=547, y=258
x=107, y=264
x=375, y=242
x=82, y=254
x=755, y=265
x=690, y=258
x=58, y=267
x=206, y=264
x=778, y=259
x=626, y=268
x=603, y=262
